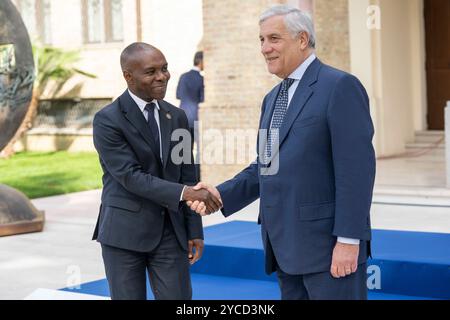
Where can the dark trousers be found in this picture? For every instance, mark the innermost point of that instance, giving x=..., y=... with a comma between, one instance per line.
x=167, y=267
x=320, y=286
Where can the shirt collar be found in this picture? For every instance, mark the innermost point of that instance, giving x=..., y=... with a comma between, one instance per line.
x=195, y=68
x=142, y=103
x=300, y=71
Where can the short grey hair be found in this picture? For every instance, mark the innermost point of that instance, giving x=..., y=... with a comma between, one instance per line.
x=296, y=21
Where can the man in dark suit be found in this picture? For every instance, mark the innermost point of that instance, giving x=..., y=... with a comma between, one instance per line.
x=144, y=224
x=191, y=92
x=315, y=172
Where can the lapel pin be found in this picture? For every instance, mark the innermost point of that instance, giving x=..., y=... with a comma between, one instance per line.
x=168, y=116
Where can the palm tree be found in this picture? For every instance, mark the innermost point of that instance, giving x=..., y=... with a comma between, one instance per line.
x=54, y=68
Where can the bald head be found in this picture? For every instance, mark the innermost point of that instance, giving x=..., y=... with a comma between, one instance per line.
x=134, y=52
x=145, y=70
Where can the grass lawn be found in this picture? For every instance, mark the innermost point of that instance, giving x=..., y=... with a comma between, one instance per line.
x=40, y=174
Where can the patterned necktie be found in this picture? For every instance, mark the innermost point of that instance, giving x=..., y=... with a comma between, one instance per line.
x=281, y=105
x=153, y=125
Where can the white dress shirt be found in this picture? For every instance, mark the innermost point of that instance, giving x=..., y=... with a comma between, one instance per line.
x=141, y=104
x=297, y=75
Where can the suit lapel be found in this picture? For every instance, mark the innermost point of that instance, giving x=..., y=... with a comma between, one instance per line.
x=265, y=123
x=165, y=122
x=137, y=119
x=300, y=98
x=267, y=117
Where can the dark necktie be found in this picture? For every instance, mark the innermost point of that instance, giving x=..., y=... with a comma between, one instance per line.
x=153, y=125
x=281, y=105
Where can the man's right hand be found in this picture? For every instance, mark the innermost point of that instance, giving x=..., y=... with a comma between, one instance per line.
x=199, y=206
x=195, y=194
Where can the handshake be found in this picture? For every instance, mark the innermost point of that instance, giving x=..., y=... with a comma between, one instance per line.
x=203, y=198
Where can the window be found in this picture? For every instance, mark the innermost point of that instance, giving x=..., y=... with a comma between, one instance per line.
x=94, y=21
x=102, y=21
x=36, y=14
x=114, y=30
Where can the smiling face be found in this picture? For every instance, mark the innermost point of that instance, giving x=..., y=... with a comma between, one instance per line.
x=147, y=75
x=282, y=52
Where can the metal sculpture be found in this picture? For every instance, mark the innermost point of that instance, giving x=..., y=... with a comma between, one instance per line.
x=17, y=214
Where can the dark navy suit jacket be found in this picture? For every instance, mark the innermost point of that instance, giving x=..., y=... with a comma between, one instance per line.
x=139, y=188
x=323, y=189
x=190, y=91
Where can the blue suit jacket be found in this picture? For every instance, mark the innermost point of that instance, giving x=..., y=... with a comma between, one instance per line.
x=323, y=189
x=139, y=188
x=190, y=91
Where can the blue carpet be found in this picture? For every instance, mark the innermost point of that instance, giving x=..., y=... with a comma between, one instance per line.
x=207, y=287
x=415, y=247
x=413, y=265
x=204, y=287
x=386, y=296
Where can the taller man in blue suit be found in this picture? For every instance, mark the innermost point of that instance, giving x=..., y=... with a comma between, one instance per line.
x=191, y=92
x=314, y=208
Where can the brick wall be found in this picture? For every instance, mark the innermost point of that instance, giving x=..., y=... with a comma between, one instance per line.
x=332, y=32
x=236, y=78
